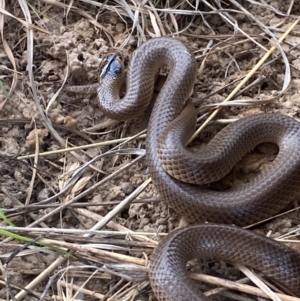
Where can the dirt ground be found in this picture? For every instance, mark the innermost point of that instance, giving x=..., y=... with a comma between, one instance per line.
x=67, y=45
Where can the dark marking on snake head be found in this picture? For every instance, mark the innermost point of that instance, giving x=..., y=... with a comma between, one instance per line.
x=113, y=66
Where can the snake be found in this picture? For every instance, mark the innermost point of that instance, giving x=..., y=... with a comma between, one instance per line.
x=181, y=177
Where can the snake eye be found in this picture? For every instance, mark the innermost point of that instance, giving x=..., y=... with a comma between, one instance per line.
x=113, y=66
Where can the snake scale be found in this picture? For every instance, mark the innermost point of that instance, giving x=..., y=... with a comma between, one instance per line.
x=175, y=172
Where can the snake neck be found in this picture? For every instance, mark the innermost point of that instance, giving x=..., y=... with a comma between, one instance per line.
x=143, y=68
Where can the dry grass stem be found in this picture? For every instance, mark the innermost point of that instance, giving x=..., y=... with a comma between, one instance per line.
x=239, y=287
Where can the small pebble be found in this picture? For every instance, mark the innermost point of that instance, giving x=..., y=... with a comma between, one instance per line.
x=127, y=187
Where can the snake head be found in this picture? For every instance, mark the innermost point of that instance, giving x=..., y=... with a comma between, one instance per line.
x=113, y=66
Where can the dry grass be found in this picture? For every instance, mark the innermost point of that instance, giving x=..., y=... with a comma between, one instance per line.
x=107, y=252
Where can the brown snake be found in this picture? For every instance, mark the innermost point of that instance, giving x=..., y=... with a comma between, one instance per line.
x=171, y=124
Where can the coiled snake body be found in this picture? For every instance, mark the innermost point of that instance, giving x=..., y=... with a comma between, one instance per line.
x=171, y=123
